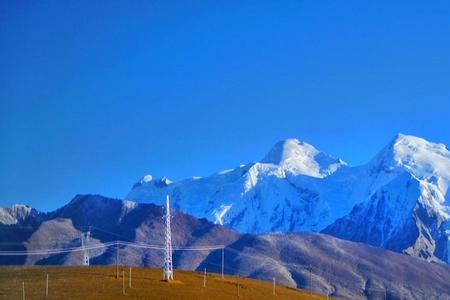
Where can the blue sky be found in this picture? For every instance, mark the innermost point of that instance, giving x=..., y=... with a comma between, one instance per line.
x=95, y=94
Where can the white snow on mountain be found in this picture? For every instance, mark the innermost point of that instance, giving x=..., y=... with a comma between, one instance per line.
x=402, y=200
x=301, y=158
x=255, y=197
x=426, y=162
x=399, y=200
x=422, y=158
x=15, y=214
x=220, y=213
x=147, y=178
x=127, y=207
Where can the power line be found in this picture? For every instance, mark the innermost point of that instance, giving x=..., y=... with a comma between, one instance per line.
x=105, y=245
x=54, y=251
x=264, y=261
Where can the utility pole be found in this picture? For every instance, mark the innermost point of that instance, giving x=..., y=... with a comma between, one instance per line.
x=238, y=286
x=273, y=286
x=310, y=280
x=117, y=259
x=223, y=257
x=123, y=282
x=168, y=266
x=129, y=284
x=204, y=278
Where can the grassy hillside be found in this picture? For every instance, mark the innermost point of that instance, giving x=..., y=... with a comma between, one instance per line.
x=99, y=282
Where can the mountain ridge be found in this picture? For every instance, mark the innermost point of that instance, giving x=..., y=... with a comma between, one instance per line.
x=327, y=264
x=399, y=200
x=289, y=191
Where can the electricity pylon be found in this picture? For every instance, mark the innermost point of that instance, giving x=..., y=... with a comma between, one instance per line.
x=168, y=266
x=85, y=236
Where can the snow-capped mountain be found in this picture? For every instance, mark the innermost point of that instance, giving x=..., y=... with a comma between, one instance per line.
x=256, y=197
x=397, y=201
x=16, y=214
x=299, y=158
x=407, y=204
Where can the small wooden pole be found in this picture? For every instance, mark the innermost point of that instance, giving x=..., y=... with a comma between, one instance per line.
x=46, y=286
x=273, y=286
x=117, y=259
x=123, y=282
x=23, y=290
x=223, y=256
x=310, y=280
x=204, y=278
x=129, y=284
x=238, y=286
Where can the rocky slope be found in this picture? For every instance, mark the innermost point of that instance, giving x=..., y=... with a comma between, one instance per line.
x=332, y=266
x=110, y=220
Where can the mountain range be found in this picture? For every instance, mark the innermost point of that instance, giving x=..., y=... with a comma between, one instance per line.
x=397, y=201
x=306, y=260
x=300, y=215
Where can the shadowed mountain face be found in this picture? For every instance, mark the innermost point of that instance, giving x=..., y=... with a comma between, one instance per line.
x=322, y=262
x=111, y=220
x=337, y=267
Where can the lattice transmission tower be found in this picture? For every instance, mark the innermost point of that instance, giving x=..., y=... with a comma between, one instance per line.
x=85, y=236
x=168, y=266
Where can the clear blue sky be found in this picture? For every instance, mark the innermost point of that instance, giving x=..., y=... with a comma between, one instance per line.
x=95, y=94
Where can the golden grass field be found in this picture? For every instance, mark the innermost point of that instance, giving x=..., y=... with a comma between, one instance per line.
x=99, y=282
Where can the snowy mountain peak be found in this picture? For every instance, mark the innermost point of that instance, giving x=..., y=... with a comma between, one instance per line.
x=164, y=181
x=301, y=158
x=15, y=213
x=146, y=178
x=150, y=180
x=400, y=200
x=421, y=158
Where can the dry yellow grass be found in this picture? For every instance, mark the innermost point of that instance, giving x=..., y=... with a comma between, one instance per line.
x=99, y=282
